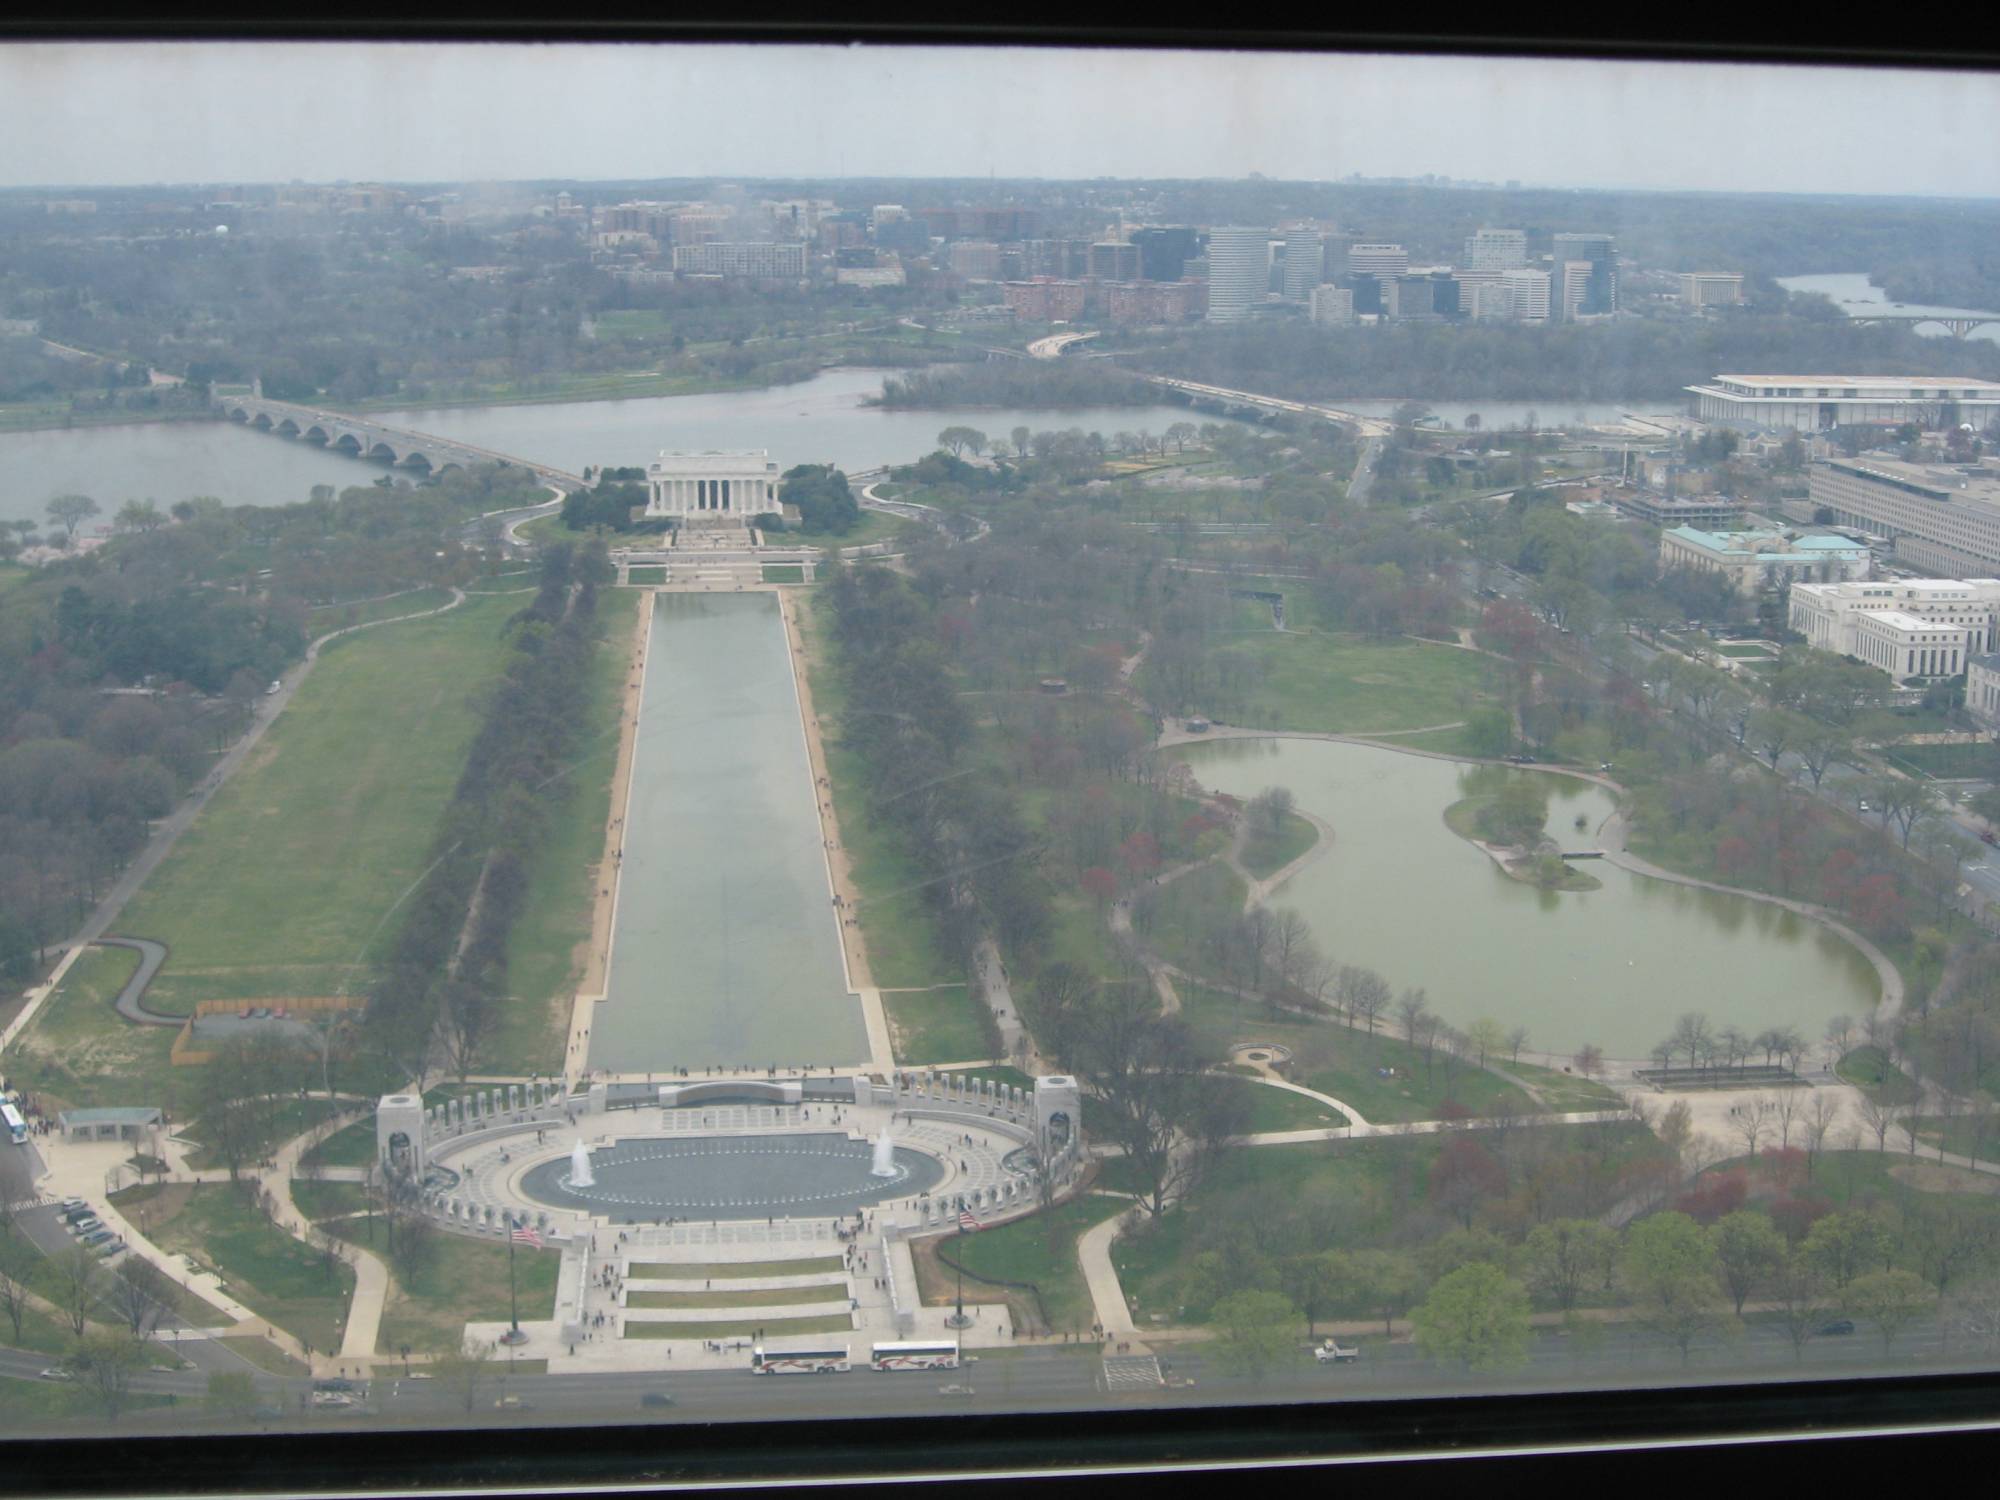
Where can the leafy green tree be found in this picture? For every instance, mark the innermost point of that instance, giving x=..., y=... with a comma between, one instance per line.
x=1891, y=1300
x=1316, y=1283
x=1670, y=1268
x=1748, y=1250
x=824, y=501
x=959, y=439
x=1840, y=1245
x=1489, y=731
x=103, y=1364
x=1385, y=1283
x=1256, y=1332
x=1476, y=1316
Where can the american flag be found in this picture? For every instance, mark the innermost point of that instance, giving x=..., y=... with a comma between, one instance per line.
x=966, y=1221
x=525, y=1235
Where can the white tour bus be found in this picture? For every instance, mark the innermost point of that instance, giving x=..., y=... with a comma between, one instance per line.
x=798, y=1361
x=17, y=1128
x=916, y=1357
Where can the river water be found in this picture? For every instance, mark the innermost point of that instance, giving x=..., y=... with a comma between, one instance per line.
x=1402, y=894
x=1853, y=291
x=725, y=949
x=821, y=420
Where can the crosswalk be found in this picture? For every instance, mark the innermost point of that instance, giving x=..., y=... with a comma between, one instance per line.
x=1132, y=1372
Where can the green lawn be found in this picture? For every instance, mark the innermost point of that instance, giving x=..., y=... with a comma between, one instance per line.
x=741, y=1270
x=1041, y=1249
x=328, y=1200
x=646, y=573
x=79, y=1051
x=756, y=1296
x=1280, y=1109
x=1001, y=1074
x=293, y=873
x=547, y=949
x=292, y=1118
x=1566, y=1093
x=28, y=1408
x=338, y=616
x=464, y=1282
x=874, y=526
x=1455, y=741
x=905, y=948
x=1958, y=1134
x=261, y=1266
x=784, y=573
x=1869, y=1068
x=1344, y=684
x=1981, y=759
x=1743, y=650
x=777, y=1329
x=938, y=1026
x=1264, y=857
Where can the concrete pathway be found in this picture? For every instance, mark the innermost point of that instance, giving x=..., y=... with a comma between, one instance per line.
x=131, y=1001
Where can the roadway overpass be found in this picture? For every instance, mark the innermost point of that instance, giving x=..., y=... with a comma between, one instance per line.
x=377, y=440
x=1959, y=325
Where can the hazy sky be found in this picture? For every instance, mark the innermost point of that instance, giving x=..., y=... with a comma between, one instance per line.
x=263, y=112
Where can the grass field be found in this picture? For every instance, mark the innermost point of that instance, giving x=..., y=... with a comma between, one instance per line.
x=1343, y=684
x=646, y=573
x=1264, y=857
x=1981, y=760
x=328, y=1200
x=339, y=616
x=464, y=1282
x=546, y=950
x=784, y=573
x=777, y=1329
x=742, y=1270
x=905, y=950
x=261, y=1266
x=1280, y=1109
x=293, y=1117
x=79, y=1051
x=1001, y=1074
x=1566, y=1093
x=756, y=1296
x=940, y=1025
x=294, y=872
x=1040, y=1249
x=1870, y=1069
x=873, y=526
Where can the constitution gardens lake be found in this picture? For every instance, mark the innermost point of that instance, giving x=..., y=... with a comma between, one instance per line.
x=725, y=946
x=1400, y=893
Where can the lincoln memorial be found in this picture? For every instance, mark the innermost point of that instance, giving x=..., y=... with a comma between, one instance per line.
x=737, y=486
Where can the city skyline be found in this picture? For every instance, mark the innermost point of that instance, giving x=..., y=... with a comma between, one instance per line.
x=115, y=114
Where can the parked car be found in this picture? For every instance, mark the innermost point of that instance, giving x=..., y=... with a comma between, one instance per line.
x=72, y=1205
x=273, y=689
x=656, y=1398
x=332, y=1398
x=111, y=1247
x=1838, y=1327
x=89, y=1224
x=75, y=1209
x=57, y=1372
x=97, y=1237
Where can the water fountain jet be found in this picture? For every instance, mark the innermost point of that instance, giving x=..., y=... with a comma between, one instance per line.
x=580, y=1175
x=885, y=1156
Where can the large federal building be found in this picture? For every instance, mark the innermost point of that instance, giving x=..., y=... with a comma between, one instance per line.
x=713, y=486
x=1751, y=561
x=1818, y=403
x=1943, y=518
x=1908, y=627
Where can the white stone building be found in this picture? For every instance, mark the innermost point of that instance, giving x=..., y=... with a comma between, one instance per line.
x=1815, y=403
x=1982, y=690
x=1755, y=560
x=1907, y=627
x=712, y=487
x=1943, y=518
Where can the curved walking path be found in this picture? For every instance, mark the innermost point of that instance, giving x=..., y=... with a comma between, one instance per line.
x=131, y=999
x=263, y=714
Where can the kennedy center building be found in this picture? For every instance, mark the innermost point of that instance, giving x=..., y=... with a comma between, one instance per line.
x=718, y=486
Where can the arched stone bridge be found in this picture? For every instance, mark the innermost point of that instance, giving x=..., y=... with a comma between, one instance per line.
x=1958, y=325
x=376, y=440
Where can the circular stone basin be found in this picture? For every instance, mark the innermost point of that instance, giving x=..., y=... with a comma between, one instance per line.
x=731, y=1177
x=1258, y=1056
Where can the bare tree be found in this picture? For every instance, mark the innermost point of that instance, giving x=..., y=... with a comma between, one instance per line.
x=1517, y=1038
x=1367, y=995
x=139, y=1291
x=1786, y=1107
x=72, y=1284
x=1751, y=1117
x=13, y=1300
x=1879, y=1116
x=1820, y=1117
x=1412, y=1006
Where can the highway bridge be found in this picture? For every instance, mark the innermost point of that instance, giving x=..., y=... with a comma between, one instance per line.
x=377, y=440
x=1959, y=325
x=1235, y=403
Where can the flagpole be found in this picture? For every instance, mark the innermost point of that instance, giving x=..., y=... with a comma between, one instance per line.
x=958, y=1318
x=513, y=1337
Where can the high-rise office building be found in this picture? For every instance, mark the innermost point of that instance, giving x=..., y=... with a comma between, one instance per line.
x=1377, y=260
x=1701, y=289
x=1305, y=265
x=1112, y=260
x=1496, y=250
x=1239, y=262
x=1572, y=284
x=1600, y=250
x=1164, y=252
x=1531, y=294
x=1332, y=306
